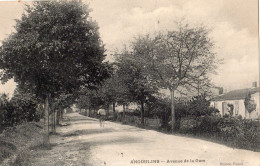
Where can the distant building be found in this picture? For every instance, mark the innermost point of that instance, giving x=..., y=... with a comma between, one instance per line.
x=237, y=98
x=74, y=108
x=131, y=107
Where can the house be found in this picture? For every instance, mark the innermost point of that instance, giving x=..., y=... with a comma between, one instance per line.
x=74, y=108
x=131, y=107
x=236, y=99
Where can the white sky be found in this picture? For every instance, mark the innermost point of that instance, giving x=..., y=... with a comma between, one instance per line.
x=234, y=25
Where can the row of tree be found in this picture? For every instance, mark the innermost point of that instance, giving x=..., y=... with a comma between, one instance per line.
x=56, y=55
x=180, y=61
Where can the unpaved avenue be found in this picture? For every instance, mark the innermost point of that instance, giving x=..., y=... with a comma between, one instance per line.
x=85, y=143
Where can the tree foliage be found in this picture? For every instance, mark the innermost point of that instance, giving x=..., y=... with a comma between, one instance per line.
x=180, y=59
x=200, y=106
x=56, y=49
x=54, y=52
x=137, y=87
x=250, y=105
x=21, y=108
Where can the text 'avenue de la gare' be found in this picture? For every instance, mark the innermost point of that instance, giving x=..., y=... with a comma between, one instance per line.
x=167, y=161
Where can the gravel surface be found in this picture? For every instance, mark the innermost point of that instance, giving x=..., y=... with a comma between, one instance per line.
x=83, y=142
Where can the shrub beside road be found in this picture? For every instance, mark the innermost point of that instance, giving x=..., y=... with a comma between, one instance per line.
x=230, y=131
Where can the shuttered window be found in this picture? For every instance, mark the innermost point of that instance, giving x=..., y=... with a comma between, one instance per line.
x=236, y=107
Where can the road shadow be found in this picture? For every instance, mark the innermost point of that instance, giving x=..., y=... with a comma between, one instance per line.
x=118, y=141
x=84, y=122
x=134, y=129
x=88, y=132
x=79, y=118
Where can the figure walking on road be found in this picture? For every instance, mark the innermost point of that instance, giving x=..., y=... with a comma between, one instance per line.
x=101, y=118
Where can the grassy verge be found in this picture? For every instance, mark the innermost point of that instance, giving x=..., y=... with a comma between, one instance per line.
x=16, y=140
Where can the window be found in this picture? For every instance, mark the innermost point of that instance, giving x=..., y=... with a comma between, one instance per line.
x=224, y=108
x=216, y=104
x=236, y=107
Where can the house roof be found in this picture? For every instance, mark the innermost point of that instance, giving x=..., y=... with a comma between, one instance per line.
x=236, y=94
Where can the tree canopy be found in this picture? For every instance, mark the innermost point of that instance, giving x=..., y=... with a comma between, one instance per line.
x=55, y=49
x=180, y=59
x=54, y=52
x=138, y=87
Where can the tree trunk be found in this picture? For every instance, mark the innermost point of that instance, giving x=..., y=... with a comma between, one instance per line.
x=142, y=113
x=107, y=113
x=114, y=111
x=114, y=107
x=173, y=109
x=89, y=111
x=123, y=112
x=46, y=139
x=48, y=120
x=165, y=120
x=58, y=117
x=44, y=116
x=54, y=121
x=61, y=115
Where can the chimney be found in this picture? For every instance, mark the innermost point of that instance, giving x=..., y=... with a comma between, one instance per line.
x=220, y=90
x=254, y=84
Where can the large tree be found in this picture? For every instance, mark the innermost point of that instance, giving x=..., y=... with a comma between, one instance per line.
x=109, y=91
x=138, y=87
x=181, y=59
x=56, y=49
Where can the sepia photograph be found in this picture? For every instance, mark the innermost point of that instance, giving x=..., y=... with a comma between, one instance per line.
x=129, y=83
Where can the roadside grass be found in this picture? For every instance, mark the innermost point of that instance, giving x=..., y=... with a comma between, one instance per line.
x=24, y=156
x=215, y=139
x=7, y=149
x=15, y=141
x=43, y=147
x=22, y=159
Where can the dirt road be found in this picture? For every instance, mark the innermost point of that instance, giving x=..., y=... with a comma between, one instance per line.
x=83, y=142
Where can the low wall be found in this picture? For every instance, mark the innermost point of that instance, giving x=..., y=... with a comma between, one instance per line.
x=149, y=122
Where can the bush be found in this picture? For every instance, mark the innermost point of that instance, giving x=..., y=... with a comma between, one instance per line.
x=200, y=106
x=246, y=134
x=232, y=131
x=209, y=124
x=17, y=110
x=136, y=112
x=69, y=110
x=196, y=107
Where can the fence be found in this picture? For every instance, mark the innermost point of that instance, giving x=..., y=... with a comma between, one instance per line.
x=148, y=122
